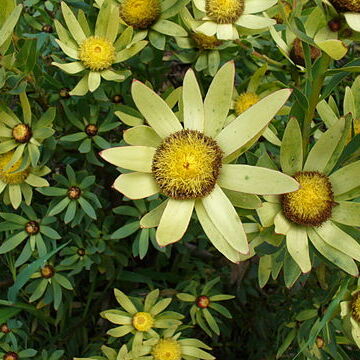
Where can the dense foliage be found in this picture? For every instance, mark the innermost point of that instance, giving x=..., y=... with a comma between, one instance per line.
x=179, y=179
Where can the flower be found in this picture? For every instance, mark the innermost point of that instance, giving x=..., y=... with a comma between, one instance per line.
x=314, y=211
x=222, y=17
x=17, y=180
x=189, y=164
x=26, y=136
x=244, y=101
x=141, y=322
x=96, y=52
x=350, y=313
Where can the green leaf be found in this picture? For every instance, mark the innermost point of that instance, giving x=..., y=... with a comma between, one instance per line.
x=9, y=25
x=126, y=230
x=13, y=242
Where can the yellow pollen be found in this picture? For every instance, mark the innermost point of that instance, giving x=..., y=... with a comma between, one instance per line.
x=312, y=204
x=142, y=321
x=10, y=176
x=224, y=11
x=97, y=53
x=21, y=133
x=167, y=349
x=205, y=42
x=245, y=101
x=187, y=164
x=140, y=14
x=355, y=307
x=346, y=5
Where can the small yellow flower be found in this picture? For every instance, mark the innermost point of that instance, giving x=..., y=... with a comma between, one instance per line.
x=10, y=176
x=312, y=204
x=245, y=101
x=22, y=133
x=140, y=14
x=187, y=164
x=143, y=321
x=355, y=307
x=167, y=349
x=205, y=42
x=224, y=11
x=97, y=53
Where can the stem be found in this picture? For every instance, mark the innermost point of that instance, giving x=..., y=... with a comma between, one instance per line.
x=314, y=99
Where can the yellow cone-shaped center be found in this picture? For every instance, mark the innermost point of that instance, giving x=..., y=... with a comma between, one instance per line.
x=11, y=175
x=312, y=204
x=140, y=14
x=167, y=349
x=142, y=321
x=187, y=164
x=97, y=53
x=245, y=101
x=224, y=11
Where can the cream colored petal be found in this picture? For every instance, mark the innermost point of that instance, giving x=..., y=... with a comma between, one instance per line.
x=254, y=22
x=298, y=247
x=256, y=180
x=346, y=178
x=136, y=185
x=345, y=308
x=208, y=28
x=200, y=4
x=69, y=51
x=215, y=237
x=347, y=213
x=267, y=213
x=155, y=110
x=225, y=31
x=192, y=103
x=142, y=135
x=174, y=221
x=94, y=80
x=15, y=195
x=353, y=20
x=255, y=6
x=225, y=219
x=136, y=158
x=153, y=217
x=282, y=225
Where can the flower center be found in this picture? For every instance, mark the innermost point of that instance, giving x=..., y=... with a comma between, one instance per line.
x=10, y=176
x=4, y=328
x=81, y=252
x=355, y=307
x=32, y=227
x=91, y=130
x=74, y=193
x=187, y=164
x=142, y=321
x=97, y=53
x=224, y=11
x=203, y=302
x=47, y=271
x=10, y=355
x=22, y=133
x=140, y=14
x=245, y=101
x=167, y=349
x=205, y=42
x=312, y=204
x=346, y=5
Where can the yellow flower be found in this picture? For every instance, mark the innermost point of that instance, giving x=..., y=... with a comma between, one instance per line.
x=143, y=321
x=224, y=11
x=167, y=349
x=12, y=176
x=245, y=101
x=140, y=14
x=97, y=53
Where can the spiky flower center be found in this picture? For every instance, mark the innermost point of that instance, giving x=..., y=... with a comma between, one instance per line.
x=97, y=53
x=74, y=192
x=4, y=329
x=244, y=101
x=167, y=349
x=32, y=227
x=312, y=204
x=224, y=11
x=205, y=42
x=91, y=130
x=11, y=175
x=203, y=302
x=346, y=5
x=142, y=321
x=22, y=133
x=355, y=307
x=186, y=165
x=47, y=271
x=140, y=14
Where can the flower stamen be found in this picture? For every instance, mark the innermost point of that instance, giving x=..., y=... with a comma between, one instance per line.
x=224, y=11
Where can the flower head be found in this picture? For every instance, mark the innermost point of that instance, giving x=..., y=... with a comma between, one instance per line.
x=346, y=5
x=12, y=176
x=140, y=14
x=244, y=101
x=142, y=321
x=167, y=349
x=22, y=133
x=97, y=53
x=224, y=11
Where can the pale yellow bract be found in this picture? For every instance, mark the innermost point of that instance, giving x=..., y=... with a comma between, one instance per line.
x=190, y=162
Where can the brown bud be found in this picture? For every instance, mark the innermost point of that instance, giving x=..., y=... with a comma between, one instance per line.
x=74, y=193
x=4, y=328
x=203, y=302
x=91, y=130
x=10, y=355
x=22, y=133
x=297, y=53
x=320, y=343
x=117, y=99
x=334, y=25
x=32, y=227
x=47, y=271
x=64, y=93
x=47, y=28
x=81, y=252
